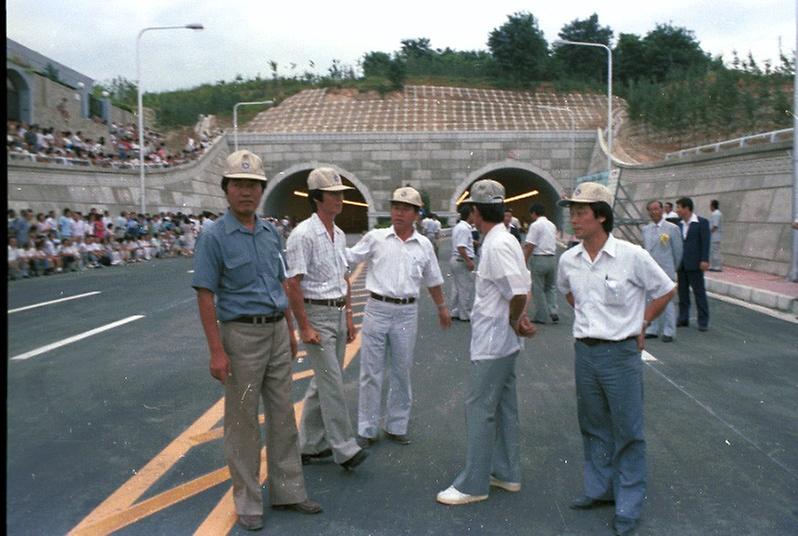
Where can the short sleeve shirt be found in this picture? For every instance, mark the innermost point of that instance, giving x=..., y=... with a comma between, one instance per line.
x=543, y=235
x=610, y=291
x=462, y=237
x=320, y=260
x=243, y=268
x=501, y=274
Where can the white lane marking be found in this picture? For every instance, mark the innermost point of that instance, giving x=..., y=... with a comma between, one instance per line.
x=35, y=305
x=190, y=272
x=720, y=419
x=781, y=315
x=75, y=338
x=648, y=357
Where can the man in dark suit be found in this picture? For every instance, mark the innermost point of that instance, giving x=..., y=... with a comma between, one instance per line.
x=695, y=261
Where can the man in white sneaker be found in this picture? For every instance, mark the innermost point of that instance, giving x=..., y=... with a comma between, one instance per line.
x=498, y=321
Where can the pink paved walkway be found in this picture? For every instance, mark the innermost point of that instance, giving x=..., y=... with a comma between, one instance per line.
x=758, y=280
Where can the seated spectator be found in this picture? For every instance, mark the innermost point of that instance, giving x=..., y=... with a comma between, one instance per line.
x=70, y=256
x=17, y=262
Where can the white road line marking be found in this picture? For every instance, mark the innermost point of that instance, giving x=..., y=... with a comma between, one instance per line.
x=724, y=422
x=648, y=357
x=35, y=305
x=75, y=338
x=190, y=272
x=781, y=315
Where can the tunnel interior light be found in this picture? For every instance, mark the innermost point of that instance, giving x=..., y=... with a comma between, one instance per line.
x=462, y=197
x=346, y=202
x=521, y=196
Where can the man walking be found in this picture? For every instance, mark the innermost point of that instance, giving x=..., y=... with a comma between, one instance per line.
x=400, y=260
x=663, y=241
x=462, y=265
x=498, y=321
x=695, y=261
x=541, y=246
x=239, y=262
x=716, y=230
x=606, y=281
x=319, y=294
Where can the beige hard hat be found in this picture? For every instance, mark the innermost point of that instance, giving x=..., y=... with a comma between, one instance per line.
x=588, y=192
x=327, y=180
x=486, y=191
x=244, y=164
x=408, y=195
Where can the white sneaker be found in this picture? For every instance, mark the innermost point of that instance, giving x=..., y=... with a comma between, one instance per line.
x=506, y=486
x=453, y=497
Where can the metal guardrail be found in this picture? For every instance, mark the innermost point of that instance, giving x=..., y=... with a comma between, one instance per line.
x=769, y=137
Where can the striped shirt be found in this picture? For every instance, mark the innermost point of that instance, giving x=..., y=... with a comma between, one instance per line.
x=321, y=261
x=396, y=268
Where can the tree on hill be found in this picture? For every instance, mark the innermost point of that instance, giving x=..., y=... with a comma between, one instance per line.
x=667, y=48
x=520, y=50
x=585, y=63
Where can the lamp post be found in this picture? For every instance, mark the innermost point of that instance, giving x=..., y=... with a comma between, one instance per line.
x=609, y=92
x=193, y=26
x=235, y=117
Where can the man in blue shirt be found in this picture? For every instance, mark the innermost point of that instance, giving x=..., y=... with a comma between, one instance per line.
x=239, y=261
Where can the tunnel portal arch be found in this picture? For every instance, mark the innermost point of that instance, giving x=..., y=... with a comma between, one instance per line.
x=519, y=178
x=279, y=198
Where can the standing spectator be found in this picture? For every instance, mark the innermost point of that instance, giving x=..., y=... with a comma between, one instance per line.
x=716, y=230
x=695, y=261
x=400, y=260
x=463, y=266
x=318, y=290
x=606, y=281
x=21, y=227
x=512, y=225
x=43, y=225
x=79, y=226
x=663, y=240
x=251, y=345
x=65, y=225
x=498, y=322
x=670, y=215
x=541, y=247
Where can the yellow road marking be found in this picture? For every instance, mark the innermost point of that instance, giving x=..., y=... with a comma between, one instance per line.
x=120, y=508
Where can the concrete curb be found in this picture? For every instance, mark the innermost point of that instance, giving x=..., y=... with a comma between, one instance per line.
x=764, y=298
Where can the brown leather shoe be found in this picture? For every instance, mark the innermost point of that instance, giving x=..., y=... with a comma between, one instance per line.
x=355, y=460
x=307, y=506
x=250, y=522
x=402, y=439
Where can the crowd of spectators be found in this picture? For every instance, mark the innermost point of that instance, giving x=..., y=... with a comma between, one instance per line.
x=120, y=149
x=44, y=244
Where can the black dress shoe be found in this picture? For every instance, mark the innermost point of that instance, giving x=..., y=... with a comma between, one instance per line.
x=583, y=502
x=682, y=324
x=305, y=507
x=355, y=460
x=365, y=442
x=624, y=526
x=310, y=458
x=703, y=328
x=538, y=322
x=555, y=318
x=667, y=338
x=651, y=336
x=250, y=522
x=402, y=439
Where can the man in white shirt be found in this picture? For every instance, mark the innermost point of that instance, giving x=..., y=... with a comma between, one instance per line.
x=498, y=322
x=318, y=290
x=541, y=247
x=670, y=214
x=400, y=260
x=606, y=281
x=463, y=266
x=716, y=230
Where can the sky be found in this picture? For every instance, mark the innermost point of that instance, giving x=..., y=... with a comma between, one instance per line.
x=99, y=38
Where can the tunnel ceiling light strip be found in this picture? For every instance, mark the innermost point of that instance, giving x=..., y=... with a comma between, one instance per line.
x=346, y=202
x=521, y=196
x=460, y=199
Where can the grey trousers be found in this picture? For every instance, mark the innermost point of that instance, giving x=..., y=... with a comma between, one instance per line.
x=462, y=289
x=325, y=418
x=260, y=358
x=715, y=257
x=388, y=341
x=544, y=286
x=492, y=426
x=609, y=397
x=664, y=324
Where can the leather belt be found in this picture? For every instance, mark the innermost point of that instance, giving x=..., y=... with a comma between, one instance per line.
x=336, y=302
x=590, y=341
x=400, y=301
x=259, y=319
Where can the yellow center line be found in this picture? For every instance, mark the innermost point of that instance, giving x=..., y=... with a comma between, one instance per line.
x=120, y=508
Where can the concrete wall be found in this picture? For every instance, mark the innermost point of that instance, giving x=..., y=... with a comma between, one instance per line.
x=754, y=186
x=191, y=188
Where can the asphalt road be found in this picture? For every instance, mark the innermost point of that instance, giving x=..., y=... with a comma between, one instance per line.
x=97, y=427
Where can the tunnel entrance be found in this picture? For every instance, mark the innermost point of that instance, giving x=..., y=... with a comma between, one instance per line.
x=522, y=188
x=289, y=198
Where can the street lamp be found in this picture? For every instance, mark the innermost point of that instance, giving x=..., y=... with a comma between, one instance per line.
x=561, y=42
x=193, y=26
x=235, y=117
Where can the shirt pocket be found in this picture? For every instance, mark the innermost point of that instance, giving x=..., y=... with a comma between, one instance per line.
x=416, y=266
x=613, y=293
x=238, y=272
